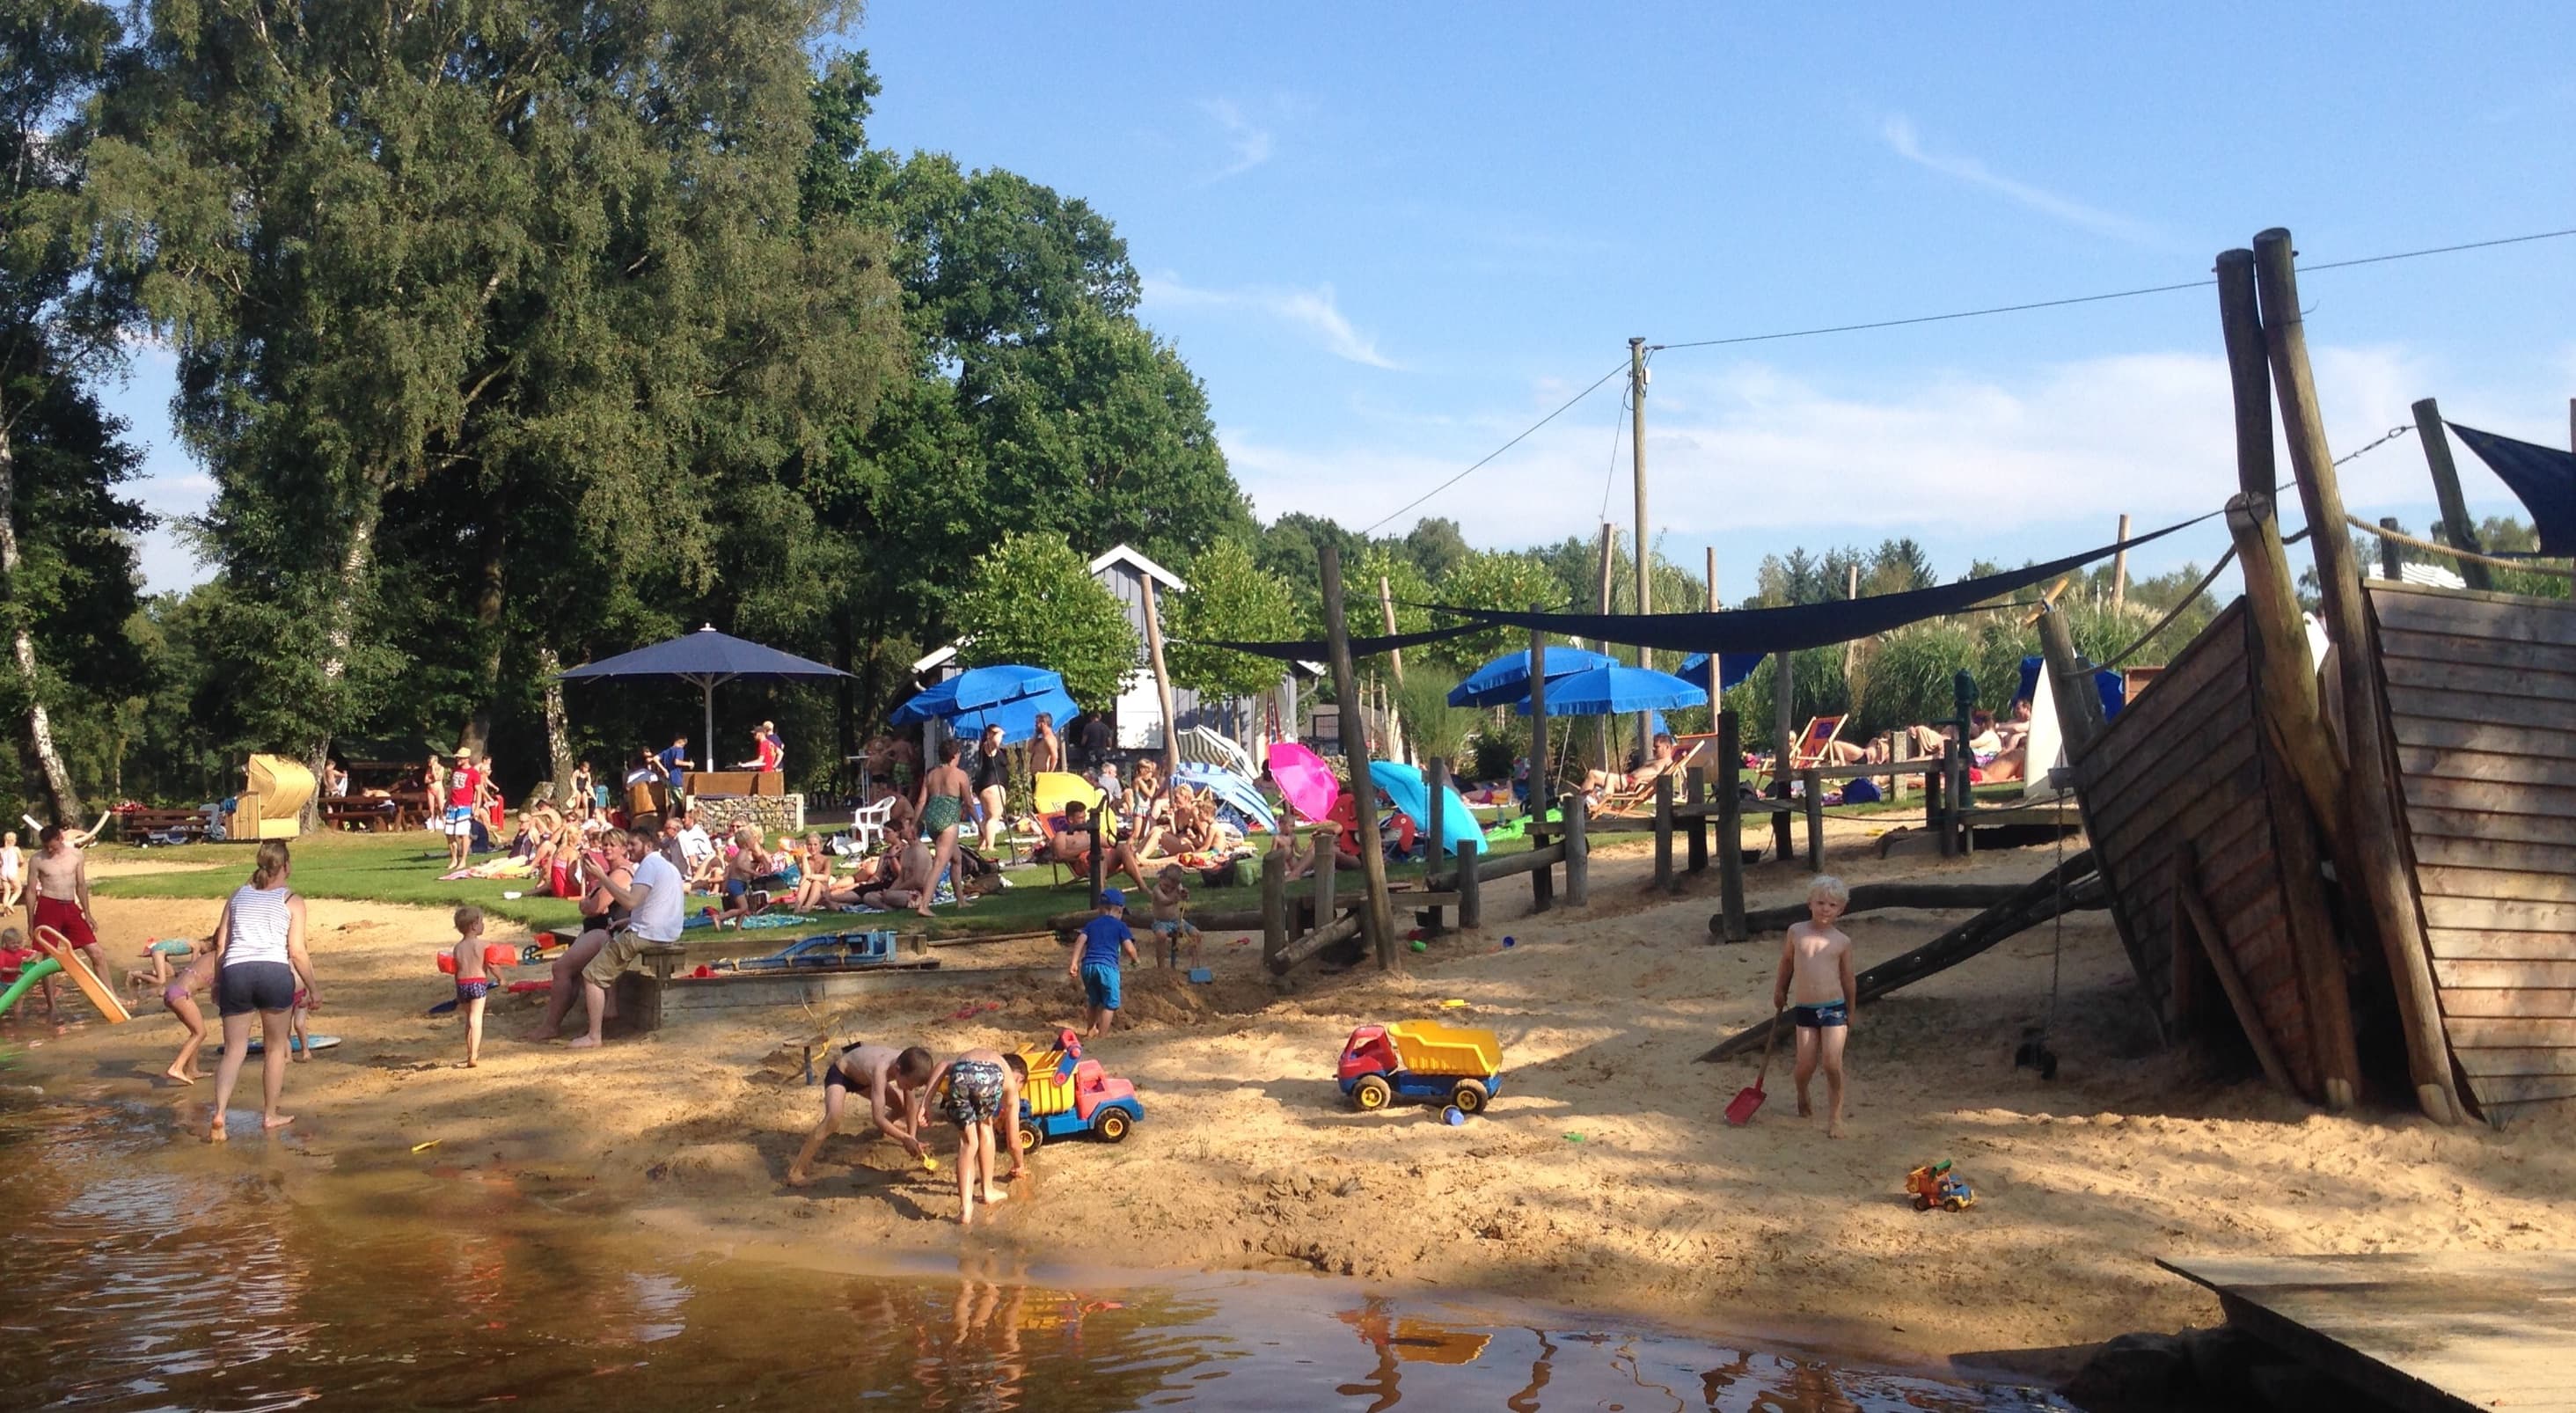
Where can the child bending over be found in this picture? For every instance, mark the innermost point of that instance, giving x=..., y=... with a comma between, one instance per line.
x=979, y=1092
x=1816, y=964
x=473, y=983
x=897, y=1085
x=1173, y=931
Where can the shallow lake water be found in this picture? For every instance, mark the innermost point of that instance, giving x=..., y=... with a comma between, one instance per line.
x=147, y=1271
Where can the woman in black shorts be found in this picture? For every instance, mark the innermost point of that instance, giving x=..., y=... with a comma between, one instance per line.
x=261, y=963
x=992, y=777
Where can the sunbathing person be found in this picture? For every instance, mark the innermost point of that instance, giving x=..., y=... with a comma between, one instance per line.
x=912, y=884
x=814, y=885
x=1068, y=839
x=1659, y=761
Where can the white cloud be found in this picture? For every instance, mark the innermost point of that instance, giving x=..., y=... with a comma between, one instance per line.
x=1313, y=311
x=1748, y=447
x=1248, y=144
x=1898, y=131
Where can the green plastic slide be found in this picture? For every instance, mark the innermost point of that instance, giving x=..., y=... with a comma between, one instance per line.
x=34, y=972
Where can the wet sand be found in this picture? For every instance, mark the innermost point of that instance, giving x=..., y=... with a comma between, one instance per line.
x=1250, y=1158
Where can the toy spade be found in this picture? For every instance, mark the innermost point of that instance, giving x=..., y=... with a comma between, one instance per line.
x=1740, y=1111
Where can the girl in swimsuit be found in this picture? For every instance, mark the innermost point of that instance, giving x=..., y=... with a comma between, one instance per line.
x=946, y=794
x=180, y=996
x=12, y=872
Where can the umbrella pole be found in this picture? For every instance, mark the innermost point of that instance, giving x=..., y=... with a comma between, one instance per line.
x=707, y=685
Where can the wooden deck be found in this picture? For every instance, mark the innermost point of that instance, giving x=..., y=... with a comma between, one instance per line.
x=2183, y=792
x=2450, y=1331
x=2482, y=701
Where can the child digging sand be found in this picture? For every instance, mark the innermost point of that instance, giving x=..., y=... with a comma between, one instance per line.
x=1816, y=962
x=979, y=1092
x=897, y=1086
x=1105, y=942
x=1173, y=931
x=473, y=983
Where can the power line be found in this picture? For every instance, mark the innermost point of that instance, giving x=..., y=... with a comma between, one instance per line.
x=1479, y=463
x=1609, y=478
x=2100, y=298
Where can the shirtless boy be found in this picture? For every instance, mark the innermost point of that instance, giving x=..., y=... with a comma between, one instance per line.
x=979, y=1092
x=1816, y=965
x=897, y=1083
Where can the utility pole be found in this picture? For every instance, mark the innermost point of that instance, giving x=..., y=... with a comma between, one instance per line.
x=1645, y=542
x=1609, y=553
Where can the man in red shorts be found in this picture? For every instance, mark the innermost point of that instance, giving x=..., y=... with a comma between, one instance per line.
x=62, y=896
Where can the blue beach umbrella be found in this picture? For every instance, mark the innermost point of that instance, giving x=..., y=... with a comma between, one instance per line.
x=1018, y=717
x=1232, y=791
x=1404, y=785
x=1505, y=680
x=1616, y=691
x=976, y=689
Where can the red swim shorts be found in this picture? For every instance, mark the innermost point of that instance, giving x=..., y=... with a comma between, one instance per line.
x=66, y=917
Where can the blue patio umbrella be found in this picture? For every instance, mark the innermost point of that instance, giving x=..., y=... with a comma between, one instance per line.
x=977, y=688
x=1505, y=680
x=708, y=658
x=1231, y=790
x=1018, y=717
x=1404, y=785
x=1616, y=691
x=1730, y=669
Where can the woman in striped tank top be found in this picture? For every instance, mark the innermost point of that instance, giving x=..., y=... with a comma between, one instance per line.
x=259, y=947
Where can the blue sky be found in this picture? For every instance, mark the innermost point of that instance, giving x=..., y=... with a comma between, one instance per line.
x=1389, y=238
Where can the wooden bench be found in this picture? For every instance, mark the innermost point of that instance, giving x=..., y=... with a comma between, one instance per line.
x=139, y=825
x=380, y=815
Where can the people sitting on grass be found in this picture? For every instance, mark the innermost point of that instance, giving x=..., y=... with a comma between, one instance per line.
x=912, y=881
x=814, y=884
x=746, y=872
x=1146, y=805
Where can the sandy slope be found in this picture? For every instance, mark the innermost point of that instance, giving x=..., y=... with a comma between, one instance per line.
x=1250, y=1157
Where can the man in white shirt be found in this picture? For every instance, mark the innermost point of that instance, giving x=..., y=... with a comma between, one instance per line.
x=654, y=902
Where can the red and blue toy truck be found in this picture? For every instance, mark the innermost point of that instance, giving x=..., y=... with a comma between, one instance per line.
x=1452, y=1064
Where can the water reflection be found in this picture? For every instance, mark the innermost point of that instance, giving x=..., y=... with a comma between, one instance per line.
x=151, y=1274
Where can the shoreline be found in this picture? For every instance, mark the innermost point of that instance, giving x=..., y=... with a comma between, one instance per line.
x=1249, y=1161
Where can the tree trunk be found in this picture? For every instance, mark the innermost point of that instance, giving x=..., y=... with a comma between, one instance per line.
x=558, y=729
x=477, y=734
x=65, y=800
x=354, y=561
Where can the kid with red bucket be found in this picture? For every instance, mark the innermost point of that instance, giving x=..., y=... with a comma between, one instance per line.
x=1815, y=962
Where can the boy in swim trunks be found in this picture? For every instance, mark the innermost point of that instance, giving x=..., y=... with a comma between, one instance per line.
x=1816, y=962
x=472, y=982
x=1172, y=930
x=979, y=1092
x=897, y=1086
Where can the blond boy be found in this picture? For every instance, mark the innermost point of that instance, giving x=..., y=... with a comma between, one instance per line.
x=473, y=983
x=1816, y=975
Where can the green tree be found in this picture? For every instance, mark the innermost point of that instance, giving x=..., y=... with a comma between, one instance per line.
x=67, y=575
x=526, y=291
x=1230, y=597
x=1496, y=579
x=1032, y=601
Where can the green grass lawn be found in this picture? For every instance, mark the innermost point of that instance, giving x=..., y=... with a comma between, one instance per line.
x=405, y=868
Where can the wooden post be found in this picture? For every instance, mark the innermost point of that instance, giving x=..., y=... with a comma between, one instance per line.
x=2391, y=558
x=1274, y=906
x=1328, y=864
x=2120, y=570
x=2376, y=825
x=1542, y=779
x=1470, y=885
x=1645, y=541
x=1784, y=746
x=1435, y=776
x=2079, y=702
x=1378, y=918
x=1578, y=859
x=2457, y=527
x=1695, y=795
x=1730, y=827
x=1162, y=680
x=1851, y=646
x=1608, y=733
x=1900, y=749
x=1815, y=791
x=2240, y=997
x=1942, y=805
x=1664, y=834
x=1386, y=610
x=1103, y=828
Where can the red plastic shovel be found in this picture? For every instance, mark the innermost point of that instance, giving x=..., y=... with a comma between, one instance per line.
x=1740, y=1112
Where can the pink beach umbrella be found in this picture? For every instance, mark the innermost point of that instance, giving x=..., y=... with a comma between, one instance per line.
x=1305, y=782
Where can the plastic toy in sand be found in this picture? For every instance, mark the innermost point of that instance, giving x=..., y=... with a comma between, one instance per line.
x=1456, y=1065
x=1935, y=1185
x=1067, y=1094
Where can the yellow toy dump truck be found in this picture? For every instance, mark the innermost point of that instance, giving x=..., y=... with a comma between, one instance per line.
x=1422, y=1060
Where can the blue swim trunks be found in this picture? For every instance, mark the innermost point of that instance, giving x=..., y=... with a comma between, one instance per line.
x=1100, y=983
x=1819, y=1017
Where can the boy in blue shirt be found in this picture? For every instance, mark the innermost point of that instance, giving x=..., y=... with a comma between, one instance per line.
x=1105, y=941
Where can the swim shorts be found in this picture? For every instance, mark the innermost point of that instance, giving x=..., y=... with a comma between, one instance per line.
x=65, y=916
x=474, y=989
x=1100, y=983
x=939, y=814
x=459, y=820
x=974, y=1093
x=1818, y=1017
x=244, y=987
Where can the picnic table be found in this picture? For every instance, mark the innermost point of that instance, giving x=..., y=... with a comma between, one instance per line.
x=137, y=824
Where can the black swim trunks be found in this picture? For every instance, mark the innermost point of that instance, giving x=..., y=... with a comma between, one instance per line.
x=1831, y=1013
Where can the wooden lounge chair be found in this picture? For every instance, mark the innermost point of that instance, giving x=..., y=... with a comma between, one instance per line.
x=1640, y=799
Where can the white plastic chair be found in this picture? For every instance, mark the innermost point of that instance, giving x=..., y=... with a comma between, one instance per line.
x=869, y=828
